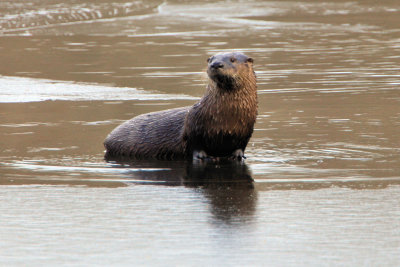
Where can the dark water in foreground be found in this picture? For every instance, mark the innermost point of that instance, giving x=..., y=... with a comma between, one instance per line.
x=321, y=182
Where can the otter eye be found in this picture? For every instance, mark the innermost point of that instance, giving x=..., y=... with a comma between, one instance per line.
x=233, y=59
x=250, y=60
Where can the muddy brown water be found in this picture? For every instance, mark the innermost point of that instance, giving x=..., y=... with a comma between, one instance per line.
x=320, y=185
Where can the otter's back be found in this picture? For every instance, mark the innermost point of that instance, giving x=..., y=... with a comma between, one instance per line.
x=151, y=135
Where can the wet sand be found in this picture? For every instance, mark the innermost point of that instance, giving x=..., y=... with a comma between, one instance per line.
x=321, y=181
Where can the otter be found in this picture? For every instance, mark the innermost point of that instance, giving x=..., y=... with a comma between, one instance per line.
x=218, y=126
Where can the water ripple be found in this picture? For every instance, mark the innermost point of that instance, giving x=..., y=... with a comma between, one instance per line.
x=15, y=89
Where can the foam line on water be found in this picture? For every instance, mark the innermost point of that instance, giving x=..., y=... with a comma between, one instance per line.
x=17, y=89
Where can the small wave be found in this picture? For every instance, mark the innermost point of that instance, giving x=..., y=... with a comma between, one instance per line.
x=218, y=10
x=84, y=167
x=166, y=18
x=70, y=169
x=16, y=89
x=263, y=15
x=14, y=16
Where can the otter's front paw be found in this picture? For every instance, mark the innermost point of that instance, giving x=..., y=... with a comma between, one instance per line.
x=238, y=154
x=199, y=155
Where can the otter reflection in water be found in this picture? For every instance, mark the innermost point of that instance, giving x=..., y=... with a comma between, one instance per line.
x=227, y=186
x=218, y=126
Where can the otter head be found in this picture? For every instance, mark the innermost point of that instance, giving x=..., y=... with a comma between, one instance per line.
x=229, y=70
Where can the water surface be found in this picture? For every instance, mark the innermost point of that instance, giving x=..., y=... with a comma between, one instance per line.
x=320, y=185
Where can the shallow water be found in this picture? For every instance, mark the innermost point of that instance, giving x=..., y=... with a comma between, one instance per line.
x=320, y=185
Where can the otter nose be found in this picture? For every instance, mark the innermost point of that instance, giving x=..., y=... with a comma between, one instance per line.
x=217, y=65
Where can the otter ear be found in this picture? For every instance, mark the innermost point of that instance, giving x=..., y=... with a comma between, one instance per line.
x=250, y=60
x=208, y=60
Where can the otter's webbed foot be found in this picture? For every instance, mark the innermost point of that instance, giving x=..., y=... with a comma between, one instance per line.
x=203, y=157
x=199, y=155
x=238, y=155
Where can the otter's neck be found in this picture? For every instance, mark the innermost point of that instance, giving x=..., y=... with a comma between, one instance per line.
x=231, y=111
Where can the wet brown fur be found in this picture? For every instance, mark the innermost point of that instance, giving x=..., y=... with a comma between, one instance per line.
x=220, y=123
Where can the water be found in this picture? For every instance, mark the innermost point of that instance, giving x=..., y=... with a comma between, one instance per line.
x=321, y=181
